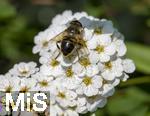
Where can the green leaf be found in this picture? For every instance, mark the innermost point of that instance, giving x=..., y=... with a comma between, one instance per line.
x=6, y=10
x=122, y=105
x=128, y=102
x=141, y=111
x=140, y=55
x=138, y=94
x=136, y=81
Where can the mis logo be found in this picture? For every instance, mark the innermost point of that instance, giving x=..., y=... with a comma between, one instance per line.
x=23, y=101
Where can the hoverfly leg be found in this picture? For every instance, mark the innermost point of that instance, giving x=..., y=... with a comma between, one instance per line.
x=78, y=54
x=57, y=55
x=57, y=44
x=58, y=49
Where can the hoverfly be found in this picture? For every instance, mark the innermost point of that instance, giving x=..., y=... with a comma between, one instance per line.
x=71, y=39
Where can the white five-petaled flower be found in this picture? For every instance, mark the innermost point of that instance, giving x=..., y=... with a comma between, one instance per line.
x=111, y=69
x=101, y=48
x=85, y=67
x=43, y=82
x=95, y=102
x=51, y=66
x=63, y=96
x=90, y=85
x=107, y=90
x=128, y=66
x=24, y=69
x=9, y=83
x=81, y=105
x=27, y=84
x=70, y=80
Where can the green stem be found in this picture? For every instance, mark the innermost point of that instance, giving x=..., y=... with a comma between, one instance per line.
x=136, y=81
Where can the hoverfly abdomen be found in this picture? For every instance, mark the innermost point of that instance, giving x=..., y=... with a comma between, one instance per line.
x=67, y=46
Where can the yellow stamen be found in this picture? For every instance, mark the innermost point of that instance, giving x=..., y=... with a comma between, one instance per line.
x=45, y=43
x=61, y=95
x=8, y=89
x=87, y=80
x=24, y=89
x=99, y=49
x=84, y=62
x=69, y=72
x=54, y=63
x=43, y=83
x=24, y=72
x=108, y=65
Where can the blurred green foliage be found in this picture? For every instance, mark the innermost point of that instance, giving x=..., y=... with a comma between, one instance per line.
x=141, y=56
x=21, y=20
x=128, y=102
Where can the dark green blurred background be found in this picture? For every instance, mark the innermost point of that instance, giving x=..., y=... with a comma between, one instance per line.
x=21, y=20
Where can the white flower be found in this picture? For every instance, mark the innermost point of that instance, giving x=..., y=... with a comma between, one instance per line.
x=90, y=85
x=117, y=35
x=70, y=80
x=95, y=102
x=81, y=105
x=9, y=83
x=120, y=47
x=70, y=112
x=124, y=77
x=67, y=16
x=43, y=82
x=51, y=66
x=85, y=67
x=107, y=90
x=88, y=34
x=80, y=15
x=27, y=84
x=47, y=58
x=107, y=26
x=62, y=19
x=102, y=26
x=56, y=110
x=43, y=40
x=112, y=69
x=128, y=66
x=65, y=98
x=102, y=48
x=24, y=69
x=116, y=81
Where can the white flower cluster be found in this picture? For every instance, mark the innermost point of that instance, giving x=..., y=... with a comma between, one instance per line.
x=77, y=84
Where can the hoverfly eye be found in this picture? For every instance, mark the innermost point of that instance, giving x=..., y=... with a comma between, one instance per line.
x=76, y=23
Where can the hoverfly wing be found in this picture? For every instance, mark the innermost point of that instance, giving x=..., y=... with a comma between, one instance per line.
x=54, y=42
x=59, y=37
